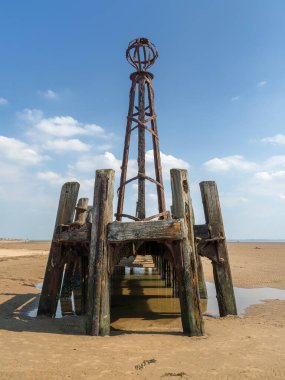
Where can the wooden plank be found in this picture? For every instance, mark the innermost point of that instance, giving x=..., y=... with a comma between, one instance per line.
x=74, y=235
x=54, y=269
x=98, y=301
x=222, y=271
x=146, y=231
x=191, y=314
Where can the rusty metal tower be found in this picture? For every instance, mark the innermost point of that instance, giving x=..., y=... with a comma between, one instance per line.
x=141, y=54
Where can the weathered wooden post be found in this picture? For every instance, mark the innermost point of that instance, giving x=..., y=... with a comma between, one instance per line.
x=72, y=268
x=221, y=268
x=98, y=301
x=54, y=270
x=191, y=314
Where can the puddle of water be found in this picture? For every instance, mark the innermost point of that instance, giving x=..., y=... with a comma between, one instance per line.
x=33, y=312
x=140, y=295
x=244, y=298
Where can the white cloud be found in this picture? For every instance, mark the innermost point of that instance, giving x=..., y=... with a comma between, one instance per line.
x=275, y=162
x=52, y=177
x=167, y=162
x=228, y=163
x=261, y=83
x=277, y=139
x=30, y=115
x=102, y=161
x=109, y=161
x=269, y=176
x=16, y=150
x=49, y=94
x=152, y=196
x=60, y=145
x=9, y=171
x=105, y=147
x=59, y=126
x=3, y=101
x=235, y=98
x=67, y=126
x=282, y=196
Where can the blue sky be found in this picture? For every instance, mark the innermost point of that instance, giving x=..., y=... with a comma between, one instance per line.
x=220, y=99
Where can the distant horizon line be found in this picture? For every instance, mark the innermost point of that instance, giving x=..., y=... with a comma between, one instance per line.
x=228, y=240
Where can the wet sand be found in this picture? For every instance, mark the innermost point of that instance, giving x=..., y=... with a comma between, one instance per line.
x=249, y=347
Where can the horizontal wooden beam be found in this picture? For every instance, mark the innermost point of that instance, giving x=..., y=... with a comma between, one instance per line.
x=146, y=231
x=74, y=235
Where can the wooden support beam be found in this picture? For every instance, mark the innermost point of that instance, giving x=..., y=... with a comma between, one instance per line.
x=146, y=231
x=74, y=235
x=98, y=301
x=191, y=314
x=54, y=270
x=221, y=269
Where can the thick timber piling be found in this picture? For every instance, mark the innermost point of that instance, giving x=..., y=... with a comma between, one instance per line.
x=191, y=315
x=221, y=267
x=54, y=270
x=98, y=301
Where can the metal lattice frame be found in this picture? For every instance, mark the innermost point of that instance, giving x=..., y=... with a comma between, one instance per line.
x=141, y=54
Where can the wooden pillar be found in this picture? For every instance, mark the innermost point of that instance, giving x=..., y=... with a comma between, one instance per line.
x=168, y=275
x=163, y=268
x=68, y=282
x=84, y=283
x=201, y=278
x=54, y=270
x=98, y=302
x=78, y=292
x=221, y=269
x=191, y=314
x=174, y=284
x=66, y=289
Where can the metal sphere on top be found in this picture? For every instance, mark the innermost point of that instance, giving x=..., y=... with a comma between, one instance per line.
x=141, y=53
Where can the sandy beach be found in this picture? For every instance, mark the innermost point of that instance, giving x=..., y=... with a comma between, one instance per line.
x=251, y=346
